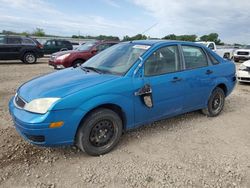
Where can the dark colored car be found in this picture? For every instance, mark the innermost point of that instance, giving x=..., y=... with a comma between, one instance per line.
x=76, y=57
x=56, y=45
x=19, y=47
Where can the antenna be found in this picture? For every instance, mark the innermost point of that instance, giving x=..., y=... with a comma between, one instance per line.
x=149, y=28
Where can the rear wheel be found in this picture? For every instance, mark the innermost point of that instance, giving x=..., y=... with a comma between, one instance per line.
x=77, y=63
x=100, y=132
x=29, y=58
x=215, y=103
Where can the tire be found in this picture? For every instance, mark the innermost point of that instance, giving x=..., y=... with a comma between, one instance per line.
x=64, y=49
x=215, y=103
x=226, y=56
x=29, y=58
x=236, y=60
x=77, y=63
x=100, y=132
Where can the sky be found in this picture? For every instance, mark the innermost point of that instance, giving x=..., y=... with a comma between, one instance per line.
x=229, y=18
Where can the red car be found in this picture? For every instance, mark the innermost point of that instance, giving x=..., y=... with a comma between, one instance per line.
x=74, y=58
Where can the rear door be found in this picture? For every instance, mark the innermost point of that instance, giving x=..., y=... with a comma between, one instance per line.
x=13, y=47
x=164, y=82
x=199, y=74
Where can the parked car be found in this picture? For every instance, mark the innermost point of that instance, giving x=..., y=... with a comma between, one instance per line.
x=125, y=86
x=76, y=57
x=56, y=45
x=18, y=47
x=244, y=72
x=242, y=54
x=224, y=52
x=75, y=45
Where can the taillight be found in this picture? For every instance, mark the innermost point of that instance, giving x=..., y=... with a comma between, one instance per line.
x=40, y=46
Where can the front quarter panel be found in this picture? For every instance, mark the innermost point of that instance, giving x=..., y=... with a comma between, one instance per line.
x=117, y=92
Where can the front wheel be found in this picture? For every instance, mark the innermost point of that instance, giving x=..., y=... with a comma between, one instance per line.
x=215, y=103
x=29, y=58
x=100, y=132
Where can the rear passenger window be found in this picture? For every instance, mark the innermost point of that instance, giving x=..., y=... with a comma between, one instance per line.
x=14, y=40
x=27, y=41
x=194, y=57
x=59, y=43
x=162, y=61
x=212, y=59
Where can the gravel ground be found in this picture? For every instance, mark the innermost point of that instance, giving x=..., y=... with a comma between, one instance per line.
x=190, y=150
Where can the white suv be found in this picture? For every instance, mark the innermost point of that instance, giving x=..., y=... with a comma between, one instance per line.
x=242, y=54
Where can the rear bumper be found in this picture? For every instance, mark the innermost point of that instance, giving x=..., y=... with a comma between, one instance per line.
x=35, y=129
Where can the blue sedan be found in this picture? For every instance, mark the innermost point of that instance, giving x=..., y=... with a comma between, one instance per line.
x=126, y=86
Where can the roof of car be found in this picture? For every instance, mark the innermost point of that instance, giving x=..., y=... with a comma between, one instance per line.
x=154, y=42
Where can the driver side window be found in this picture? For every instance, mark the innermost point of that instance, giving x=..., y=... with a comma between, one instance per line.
x=162, y=61
x=102, y=47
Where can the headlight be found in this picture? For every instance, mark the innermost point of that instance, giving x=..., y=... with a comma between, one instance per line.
x=242, y=67
x=40, y=106
x=62, y=56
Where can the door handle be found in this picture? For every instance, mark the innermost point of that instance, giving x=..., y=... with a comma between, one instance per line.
x=209, y=72
x=176, y=79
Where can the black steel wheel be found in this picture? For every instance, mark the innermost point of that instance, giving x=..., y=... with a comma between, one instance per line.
x=100, y=132
x=215, y=103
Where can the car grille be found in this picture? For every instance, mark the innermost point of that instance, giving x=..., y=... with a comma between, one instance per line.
x=19, y=102
x=242, y=53
x=244, y=78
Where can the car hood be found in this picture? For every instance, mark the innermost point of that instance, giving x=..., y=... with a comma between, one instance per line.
x=247, y=63
x=64, y=52
x=61, y=83
x=242, y=50
x=57, y=54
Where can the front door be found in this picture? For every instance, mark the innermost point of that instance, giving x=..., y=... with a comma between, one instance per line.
x=163, y=83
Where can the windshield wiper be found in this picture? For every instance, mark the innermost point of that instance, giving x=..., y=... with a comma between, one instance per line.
x=93, y=69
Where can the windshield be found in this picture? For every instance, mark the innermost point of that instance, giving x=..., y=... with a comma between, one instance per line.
x=117, y=59
x=86, y=46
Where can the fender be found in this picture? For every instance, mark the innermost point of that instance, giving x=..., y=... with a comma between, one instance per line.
x=224, y=81
x=125, y=103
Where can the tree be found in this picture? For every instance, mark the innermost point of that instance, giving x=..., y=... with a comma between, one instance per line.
x=213, y=37
x=39, y=32
x=170, y=37
x=191, y=38
x=136, y=37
